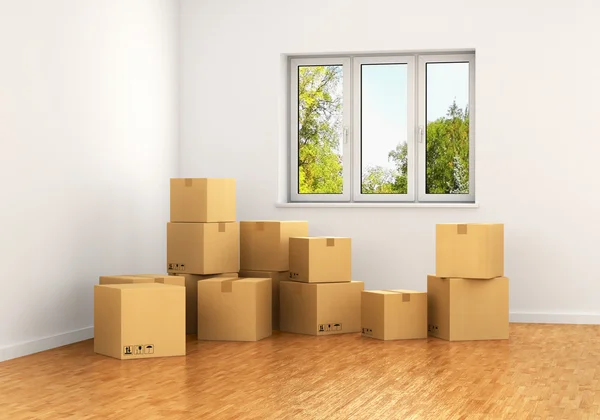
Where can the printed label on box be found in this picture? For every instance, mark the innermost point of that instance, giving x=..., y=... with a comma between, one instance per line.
x=329, y=327
x=367, y=331
x=138, y=349
x=176, y=267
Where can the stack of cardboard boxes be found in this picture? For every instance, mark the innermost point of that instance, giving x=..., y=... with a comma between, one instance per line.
x=320, y=297
x=468, y=296
x=203, y=239
x=238, y=281
x=264, y=253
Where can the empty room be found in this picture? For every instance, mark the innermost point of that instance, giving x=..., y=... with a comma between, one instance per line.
x=226, y=209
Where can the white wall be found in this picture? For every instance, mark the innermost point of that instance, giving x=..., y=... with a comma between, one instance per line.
x=88, y=141
x=536, y=153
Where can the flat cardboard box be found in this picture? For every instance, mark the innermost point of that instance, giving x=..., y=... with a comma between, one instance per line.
x=276, y=277
x=203, y=248
x=190, y=281
x=264, y=245
x=203, y=200
x=139, y=321
x=320, y=259
x=467, y=309
x=394, y=314
x=320, y=309
x=471, y=250
x=125, y=279
x=234, y=309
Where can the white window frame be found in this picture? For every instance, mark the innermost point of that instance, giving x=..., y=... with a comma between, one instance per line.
x=422, y=127
x=357, y=130
x=351, y=139
x=346, y=152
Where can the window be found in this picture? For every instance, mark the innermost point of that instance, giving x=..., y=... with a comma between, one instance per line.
x=382, y=128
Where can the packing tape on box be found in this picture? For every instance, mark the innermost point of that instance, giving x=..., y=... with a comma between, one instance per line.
x=188, y=182
x=221, y=227
x=227, y=285
x=461, y=229
x=330, y=242
x=405, y=296
x=260, y=226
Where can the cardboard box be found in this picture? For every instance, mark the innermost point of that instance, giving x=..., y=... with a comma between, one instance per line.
x=320, y=309
x=467, y=309
x=203, y=248
x=234, y=309
x=190, y=281
x=320, y=259
x=203, y=200
x=394, y=314
x=276, y=277
x=264, y=245
x=138, y=321
x=125, y=279
x=472, y=250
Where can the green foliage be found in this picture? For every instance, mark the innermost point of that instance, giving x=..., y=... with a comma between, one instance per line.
x=319, y=132
x=320, y=120
x=447, y=153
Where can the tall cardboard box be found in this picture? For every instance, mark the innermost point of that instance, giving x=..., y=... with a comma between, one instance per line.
x=234, y=309
x=203, y=200
x=320, y=259
x=138, y=321
x=190, y=281
x=467, y=309
x=264, y=245
x=203, y=248
x=276, y=277
x=471, y=250
x=394, y=314
x=320, y=309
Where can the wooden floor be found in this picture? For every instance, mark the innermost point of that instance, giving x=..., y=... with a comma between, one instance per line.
x=542, y=372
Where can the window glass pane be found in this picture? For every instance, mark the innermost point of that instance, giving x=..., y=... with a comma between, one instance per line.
x=384, y=101
x=320, y=129
x=447, y=131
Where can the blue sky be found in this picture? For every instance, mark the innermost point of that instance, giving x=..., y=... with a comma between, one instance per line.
x=384, y=104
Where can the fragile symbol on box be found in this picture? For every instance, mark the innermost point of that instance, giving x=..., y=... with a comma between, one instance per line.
x=367, y=331
x=176, y=267
x=330, y=327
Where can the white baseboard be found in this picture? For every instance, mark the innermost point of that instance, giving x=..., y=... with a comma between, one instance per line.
x=546, y=318
x=46, y=343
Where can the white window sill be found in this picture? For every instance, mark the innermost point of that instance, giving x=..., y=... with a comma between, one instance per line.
x=373, y=205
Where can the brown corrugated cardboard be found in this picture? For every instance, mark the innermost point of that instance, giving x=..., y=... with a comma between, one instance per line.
x=203, y=248
x=137, y=321
x=320, y=259
x=125, y=279
x=276, y=277
x=472, y=250
x=264, y=245
x=202, y=200
x=467, y=309
x=191, y=297
x=234, y=309
x=162, y=278
x=394, y=314
x=320, y=309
